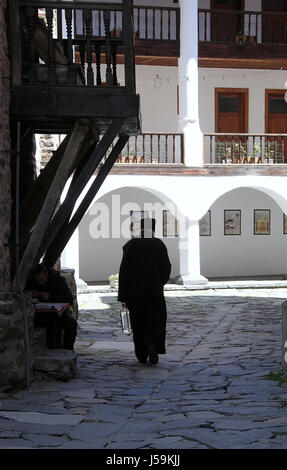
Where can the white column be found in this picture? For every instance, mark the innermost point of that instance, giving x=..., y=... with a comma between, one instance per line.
x=188, y=83
x=70, y=258
x=189, y=255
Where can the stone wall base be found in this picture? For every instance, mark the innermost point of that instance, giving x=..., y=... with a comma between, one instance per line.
x=13, y=356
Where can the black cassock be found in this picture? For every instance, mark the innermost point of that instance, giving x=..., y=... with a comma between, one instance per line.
x=144, y=270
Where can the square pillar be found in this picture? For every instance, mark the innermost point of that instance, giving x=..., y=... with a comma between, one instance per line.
x=188, y=83
x=189, y=255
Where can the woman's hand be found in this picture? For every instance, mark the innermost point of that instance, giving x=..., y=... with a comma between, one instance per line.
x=44, y=295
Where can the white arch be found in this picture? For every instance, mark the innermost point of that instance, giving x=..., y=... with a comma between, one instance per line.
x=278, y=198
x=191, y=197
x=158, y=190
x=194, y=195
x=274, y=188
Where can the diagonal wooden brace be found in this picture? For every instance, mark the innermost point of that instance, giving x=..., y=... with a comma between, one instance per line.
x=55, y=249
x=77, y=137
x=64, y=210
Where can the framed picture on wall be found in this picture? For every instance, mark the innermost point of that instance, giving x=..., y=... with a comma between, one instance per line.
x=170, y=224
x=284, y=224
x=205, y=225
x=136, y=217
x=232, y=222
x=262, y=221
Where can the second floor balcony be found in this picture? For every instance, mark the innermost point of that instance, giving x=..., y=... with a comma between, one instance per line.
x=163, y=153
x=230, y=32
x=243, y=35
x=242, y=26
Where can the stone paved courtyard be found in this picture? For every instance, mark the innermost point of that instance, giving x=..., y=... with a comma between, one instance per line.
x=211, y=390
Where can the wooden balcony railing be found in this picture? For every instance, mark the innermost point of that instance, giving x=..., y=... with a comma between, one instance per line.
x=51, y=32
x=162, y=23
x=152, y=148
x=245, y=148
x=157, y=23
x=242, y=26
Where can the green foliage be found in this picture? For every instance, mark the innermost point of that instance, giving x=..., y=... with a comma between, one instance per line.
x=278, y=376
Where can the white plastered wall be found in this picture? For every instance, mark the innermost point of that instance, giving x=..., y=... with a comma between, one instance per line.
x=245, y=254
x=101, y=257
x=255, y=80
x=192, y=196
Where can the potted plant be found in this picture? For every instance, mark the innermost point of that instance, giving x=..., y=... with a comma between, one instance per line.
x=264, y=153
x=256, y=153
x=269, y=152
x=252, y=39
x=234, y=152
x=239, y=37
x=114, y=281
x=116, y=32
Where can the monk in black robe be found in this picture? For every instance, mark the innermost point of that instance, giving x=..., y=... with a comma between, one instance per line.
x=144, y=270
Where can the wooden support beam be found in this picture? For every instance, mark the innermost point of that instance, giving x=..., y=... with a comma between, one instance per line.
x=15, y=43
x=60, y=241
x=77, y=172
x=33, y=201
x=65, y=209
x=129, y=52
x=29, y=257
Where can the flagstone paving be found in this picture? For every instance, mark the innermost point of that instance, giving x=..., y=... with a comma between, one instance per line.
x=211, y=389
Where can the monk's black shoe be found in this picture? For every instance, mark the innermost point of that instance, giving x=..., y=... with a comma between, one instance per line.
x=142, y=360
x=152, y=355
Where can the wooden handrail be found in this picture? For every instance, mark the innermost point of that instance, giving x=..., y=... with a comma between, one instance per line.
x=74, y=5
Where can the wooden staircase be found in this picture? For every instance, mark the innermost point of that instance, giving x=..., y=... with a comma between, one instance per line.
x=52, y=93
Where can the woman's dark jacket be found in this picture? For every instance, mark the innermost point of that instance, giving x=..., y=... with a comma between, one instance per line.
x=56, y=286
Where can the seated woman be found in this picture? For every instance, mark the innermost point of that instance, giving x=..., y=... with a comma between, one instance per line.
x=47, y=285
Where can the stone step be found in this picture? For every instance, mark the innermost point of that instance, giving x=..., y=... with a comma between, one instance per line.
x=60, y=364
x=39, y=341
